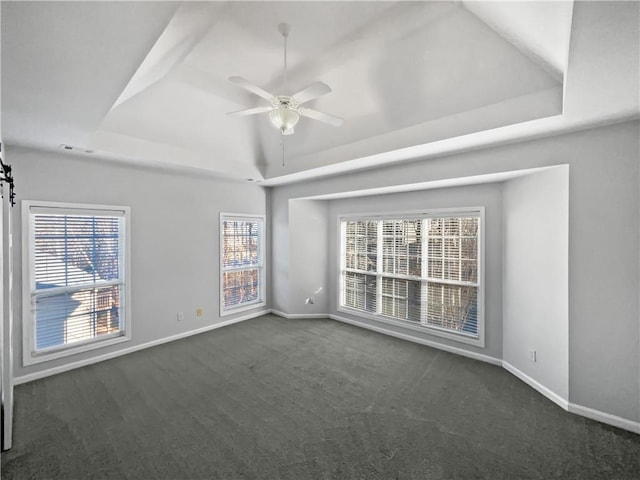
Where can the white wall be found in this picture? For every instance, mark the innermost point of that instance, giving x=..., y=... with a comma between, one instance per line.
x=604, y=313
x=308, y=246
x=488, y=196
x=536, y=277
x=174, y=237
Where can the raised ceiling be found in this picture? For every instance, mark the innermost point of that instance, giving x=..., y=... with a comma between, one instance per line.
x=147, y=82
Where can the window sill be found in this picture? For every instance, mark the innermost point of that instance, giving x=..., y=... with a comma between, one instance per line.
x=476, y=341
x=242, y=308
x=31, y=358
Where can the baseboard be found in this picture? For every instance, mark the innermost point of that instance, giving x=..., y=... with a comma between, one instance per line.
x=299, y=315
x=422, y=341
x=550, y=394
x=591, y=413
x=107, y=356
x=603, y=417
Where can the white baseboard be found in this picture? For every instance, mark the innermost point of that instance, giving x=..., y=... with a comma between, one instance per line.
x=603, y=417
x=107, y=356
x=550, y=394
x=422, y=341
x=299, y=315
x=563, y=403
x=591, y=413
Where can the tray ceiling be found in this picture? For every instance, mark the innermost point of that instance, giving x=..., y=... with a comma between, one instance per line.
x=146, y=82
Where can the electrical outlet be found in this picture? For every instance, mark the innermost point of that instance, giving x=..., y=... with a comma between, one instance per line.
x=180, y=316
x=533, y=355
x=198, y=312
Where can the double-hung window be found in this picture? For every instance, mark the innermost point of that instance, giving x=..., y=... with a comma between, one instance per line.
x=75, y=278
x=242, y=274
x=421, y=270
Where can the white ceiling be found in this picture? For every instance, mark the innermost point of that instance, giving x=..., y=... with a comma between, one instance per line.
x=146, y=82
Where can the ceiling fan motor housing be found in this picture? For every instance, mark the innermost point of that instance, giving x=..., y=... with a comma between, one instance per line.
x=285, y=114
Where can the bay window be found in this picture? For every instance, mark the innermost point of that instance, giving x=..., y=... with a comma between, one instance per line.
x=420, y=269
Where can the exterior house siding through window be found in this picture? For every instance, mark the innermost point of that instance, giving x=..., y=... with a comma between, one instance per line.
x=75, y=277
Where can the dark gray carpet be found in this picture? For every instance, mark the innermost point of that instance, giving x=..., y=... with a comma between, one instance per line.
x=313, y=399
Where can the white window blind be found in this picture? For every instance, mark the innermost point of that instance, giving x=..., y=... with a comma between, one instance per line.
x=241, y=261
x=423, y=270
x=76, y=276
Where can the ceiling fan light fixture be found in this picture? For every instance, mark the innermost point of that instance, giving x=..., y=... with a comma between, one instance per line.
x=285, y=110
x=284, y=118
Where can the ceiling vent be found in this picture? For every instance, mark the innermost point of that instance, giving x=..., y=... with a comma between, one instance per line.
x=68, y=148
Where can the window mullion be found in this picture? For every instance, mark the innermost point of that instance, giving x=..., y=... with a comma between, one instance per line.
x=94, y=295
x=452, y=282
x=51, y=291
x=66, y=252
x=379, y=260
x=424, y=272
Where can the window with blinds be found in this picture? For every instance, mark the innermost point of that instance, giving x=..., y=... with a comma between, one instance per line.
x=422, y=270
x=76, y=277
x=241, y=262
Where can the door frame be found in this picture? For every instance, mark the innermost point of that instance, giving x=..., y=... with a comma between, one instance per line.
x=6, y=315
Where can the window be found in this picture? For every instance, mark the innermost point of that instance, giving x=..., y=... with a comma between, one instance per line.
x=75, y=279
x=421, y=270
x=241, y=262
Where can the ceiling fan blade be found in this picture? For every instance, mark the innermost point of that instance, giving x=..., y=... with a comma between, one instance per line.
x=323, y=117
x=249, y=111
x=313, y=91
x=247, y=85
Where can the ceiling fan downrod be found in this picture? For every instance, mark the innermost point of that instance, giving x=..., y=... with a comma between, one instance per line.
x=284, y=29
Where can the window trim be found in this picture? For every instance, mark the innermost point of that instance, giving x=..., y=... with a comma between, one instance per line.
x=261, y=301
x=434, y=330
x=29, y=355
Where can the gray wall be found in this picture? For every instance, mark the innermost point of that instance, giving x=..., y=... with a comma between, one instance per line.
x=604, y=261
x=536, y=277
x=604, y=235
x=174, y=237
x=174, y=214
x=308, y=247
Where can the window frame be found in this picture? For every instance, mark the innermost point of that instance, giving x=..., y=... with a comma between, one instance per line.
x=261, y=301
x=30, y=355
x=479, y=211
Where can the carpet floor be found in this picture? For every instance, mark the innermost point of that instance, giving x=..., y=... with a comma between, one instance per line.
x=273, y=399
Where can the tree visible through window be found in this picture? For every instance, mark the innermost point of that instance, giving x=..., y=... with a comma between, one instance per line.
x=241, y=261
x=423, y=270
x=76, y=276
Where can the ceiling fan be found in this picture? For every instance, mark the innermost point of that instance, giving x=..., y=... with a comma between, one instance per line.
x=285, y=110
